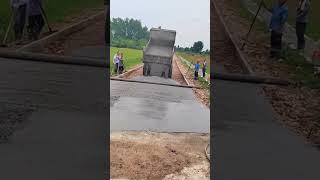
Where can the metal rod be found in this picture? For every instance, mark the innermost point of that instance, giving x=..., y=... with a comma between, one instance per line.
x=254, y=20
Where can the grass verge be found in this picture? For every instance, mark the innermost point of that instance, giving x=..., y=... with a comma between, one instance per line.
x=302, y=71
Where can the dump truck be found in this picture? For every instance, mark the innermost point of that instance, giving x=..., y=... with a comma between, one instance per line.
x=158, y=54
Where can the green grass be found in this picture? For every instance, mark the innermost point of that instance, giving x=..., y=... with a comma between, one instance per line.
x=132, y=57
x=302, y=71
x=56, y=10
x=191, y=57
x=313, y=27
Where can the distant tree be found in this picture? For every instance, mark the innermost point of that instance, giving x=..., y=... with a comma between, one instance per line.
x=128, y=33
x=128, y=28
x=197, y=47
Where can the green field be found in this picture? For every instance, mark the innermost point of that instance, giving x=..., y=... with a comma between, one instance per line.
x=56, y=10
x=194, y=57
x=313, y=27
x=132, y=57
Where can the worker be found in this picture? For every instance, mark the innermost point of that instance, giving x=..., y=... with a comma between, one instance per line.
x=36, y=21
x=301, y=22
x=204, y=68
x=19, y=8
x=196, y=70
x=277, y=24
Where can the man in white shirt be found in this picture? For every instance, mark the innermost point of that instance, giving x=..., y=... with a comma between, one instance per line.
x=19, y=8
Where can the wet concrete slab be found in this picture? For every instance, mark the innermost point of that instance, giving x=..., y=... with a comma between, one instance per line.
x=136, y=106
x=155, y=79
x=63, y=135
x=56, y=145
x=250, y=142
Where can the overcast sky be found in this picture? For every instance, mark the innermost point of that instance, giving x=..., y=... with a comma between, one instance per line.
x=190, y=18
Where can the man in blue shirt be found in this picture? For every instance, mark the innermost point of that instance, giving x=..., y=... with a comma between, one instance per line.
x=196, y=70
x=277, y=24
x=301, y=21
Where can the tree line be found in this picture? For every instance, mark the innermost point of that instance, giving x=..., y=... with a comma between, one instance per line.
x=128, y=33
x=196, y=48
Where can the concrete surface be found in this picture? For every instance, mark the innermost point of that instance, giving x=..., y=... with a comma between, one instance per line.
x=250, y=144
x=99, y=52
x=64, y=136
x=155, y=79
x=137, y=106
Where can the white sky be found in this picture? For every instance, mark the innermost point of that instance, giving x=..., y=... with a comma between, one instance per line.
x=190, y=18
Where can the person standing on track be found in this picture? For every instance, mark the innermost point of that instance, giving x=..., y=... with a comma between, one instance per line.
x=301, y=22
x=204, y=68
x=36, y=21
x=19, y=8
x=196, y=70
x=277, y=25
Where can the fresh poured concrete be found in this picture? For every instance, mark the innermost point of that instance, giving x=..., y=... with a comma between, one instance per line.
x=64, y=136
x=160, y=108
x=251, y=144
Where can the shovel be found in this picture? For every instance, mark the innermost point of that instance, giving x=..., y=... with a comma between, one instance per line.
x=254, y=20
